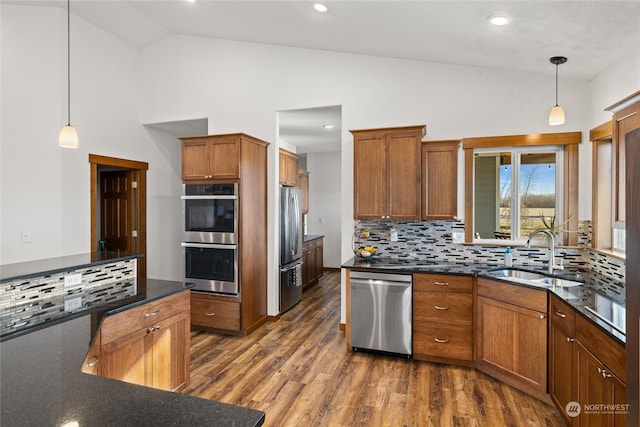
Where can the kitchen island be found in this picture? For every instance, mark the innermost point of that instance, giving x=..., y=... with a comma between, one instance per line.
x=40, y=368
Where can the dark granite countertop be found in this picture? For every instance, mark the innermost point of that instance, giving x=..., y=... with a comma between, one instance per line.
x=585, y=299
x=310, y=237
x=43, y=267
x=42, y=383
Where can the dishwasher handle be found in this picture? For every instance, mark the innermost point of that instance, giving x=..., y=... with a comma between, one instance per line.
x=372, y=282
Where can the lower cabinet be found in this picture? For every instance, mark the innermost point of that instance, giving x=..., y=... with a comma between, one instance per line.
x=442, y=318
x=210, y=312
x=562, y=377
x=147, y=345
x=511, y=335
x=312, y=261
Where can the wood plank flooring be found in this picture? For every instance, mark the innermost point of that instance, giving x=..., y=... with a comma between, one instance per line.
x=298, y=371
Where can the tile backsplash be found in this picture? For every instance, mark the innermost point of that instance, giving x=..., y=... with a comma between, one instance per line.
x=433, y=241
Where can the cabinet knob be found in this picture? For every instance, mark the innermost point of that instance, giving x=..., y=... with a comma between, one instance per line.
x=94, y=360
x=153, y=328
x=542, y=316
x=441, y=340
x=569, y=339
x=560, y=314
x=440, y=307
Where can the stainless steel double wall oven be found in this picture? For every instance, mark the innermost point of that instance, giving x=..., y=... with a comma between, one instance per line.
x=210, y=237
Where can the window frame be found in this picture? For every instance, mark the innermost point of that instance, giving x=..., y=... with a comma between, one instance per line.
x=569, y=140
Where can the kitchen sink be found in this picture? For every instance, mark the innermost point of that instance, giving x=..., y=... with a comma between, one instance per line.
x=533, y=278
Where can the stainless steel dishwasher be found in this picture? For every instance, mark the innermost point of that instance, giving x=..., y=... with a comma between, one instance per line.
x=380, y=310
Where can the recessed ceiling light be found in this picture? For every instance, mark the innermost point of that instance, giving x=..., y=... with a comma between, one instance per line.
x=327, y=126
x=499, y=20
x=320, y=7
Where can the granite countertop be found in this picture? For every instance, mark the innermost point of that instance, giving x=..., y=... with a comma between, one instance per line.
x=310, y=237
x=42, y=383
x=583, y=298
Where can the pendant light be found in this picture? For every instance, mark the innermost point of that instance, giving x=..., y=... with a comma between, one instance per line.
x=68, y=136
x=556, y=115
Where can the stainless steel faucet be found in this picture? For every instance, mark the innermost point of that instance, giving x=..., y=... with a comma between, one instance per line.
x=552, y=249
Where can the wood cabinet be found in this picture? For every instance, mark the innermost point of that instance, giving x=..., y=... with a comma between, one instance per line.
x=562, y=378
x=210, y=312
x=146, y=345
x=288, y=170
x=210, y=157
x=242, y=159
x=511, y=335
x=387, y=173
x=303, y=181
x=312, y=261
x=439, y=180
x=442, y=318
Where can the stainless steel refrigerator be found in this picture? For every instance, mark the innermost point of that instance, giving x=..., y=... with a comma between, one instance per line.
x=290, y=247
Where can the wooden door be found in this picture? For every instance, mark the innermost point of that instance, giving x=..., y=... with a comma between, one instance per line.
x=561, y=369
x=370, y=177
x=404, y=171
x=169, y=354
x=440, y=180
x=592, y=389
x=124, y=359
x=318, y=260
x=224, y=158
x=116, y=219
x=195, y=160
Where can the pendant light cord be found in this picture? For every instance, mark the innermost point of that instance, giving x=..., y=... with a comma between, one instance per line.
x=556, y=84
x=68, y=63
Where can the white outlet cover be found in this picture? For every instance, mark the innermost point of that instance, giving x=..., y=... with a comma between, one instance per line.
x=73, y=304
x=72, y=279
x=457, y=237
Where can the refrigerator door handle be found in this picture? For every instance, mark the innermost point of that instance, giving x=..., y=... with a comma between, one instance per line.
x=297, y=264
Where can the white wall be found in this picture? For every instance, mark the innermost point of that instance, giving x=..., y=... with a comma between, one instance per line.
x=325, y=205
x=44, y=188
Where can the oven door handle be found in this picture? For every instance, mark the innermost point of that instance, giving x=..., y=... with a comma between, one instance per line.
x=207, y=246
x=221, y=197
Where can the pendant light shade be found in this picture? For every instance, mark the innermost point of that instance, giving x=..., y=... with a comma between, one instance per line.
x=68, y=137
x=556, y=115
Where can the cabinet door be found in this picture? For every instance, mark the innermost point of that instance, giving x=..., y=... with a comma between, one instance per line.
x=512, y=343
x=169, y=355
x=370, y=179
x=303, y=181
x=317, y=260
x=561, y=369
x=404, y=172
x=224, y=158
x=440, y=180
x=195, y=159
x=597, y=388
x=125, y=358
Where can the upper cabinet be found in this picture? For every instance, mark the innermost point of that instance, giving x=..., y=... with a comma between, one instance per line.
x=303, y=181
x=288, y=168
x=626, y=117
x=439, y=179
x=211, y=157
x=387, y=173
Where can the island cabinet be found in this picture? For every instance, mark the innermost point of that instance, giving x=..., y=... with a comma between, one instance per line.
x=439, y=179
x=288, y=171
x=442, y=318
x=312, y=261
x=146, y=345
x=511, y=335
x=387, y=173
x=211, y=157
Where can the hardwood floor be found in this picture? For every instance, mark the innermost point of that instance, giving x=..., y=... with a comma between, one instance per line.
x=298, y=371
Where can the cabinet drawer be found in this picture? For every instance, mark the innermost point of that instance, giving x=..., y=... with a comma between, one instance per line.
x=442, y=283
x=563, y=315
x=610, y=352
x=121, y=324
x=521, y=296
x=443, y=307
x=213, y=313
x=437, y=340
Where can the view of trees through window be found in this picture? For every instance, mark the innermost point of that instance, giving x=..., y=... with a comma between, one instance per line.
x=525, y=197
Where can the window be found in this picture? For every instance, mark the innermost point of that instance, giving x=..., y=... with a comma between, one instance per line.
x=514, y=184
x=516, y=191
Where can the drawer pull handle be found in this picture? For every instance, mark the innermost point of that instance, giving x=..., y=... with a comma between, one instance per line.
x=440, y=307
x=441, y=340
x=153, y=328
x=560, y=314
x=94, y=361
x=441, y=283
x=209, y=314
x=570, y=339
x=604, y=373
x=155, y=313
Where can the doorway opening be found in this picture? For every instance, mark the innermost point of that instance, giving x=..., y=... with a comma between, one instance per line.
x=119, y=207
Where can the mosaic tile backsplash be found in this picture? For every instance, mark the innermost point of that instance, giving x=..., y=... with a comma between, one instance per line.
x=433, y=241
x=25, y=303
